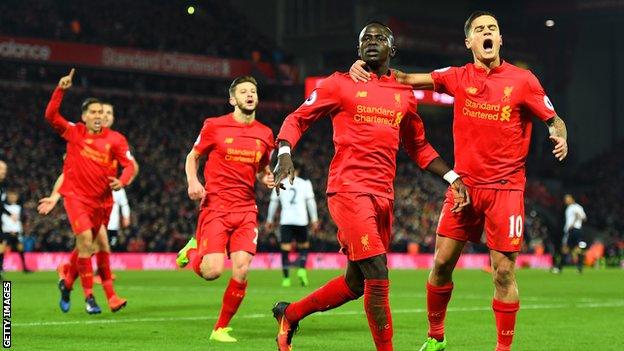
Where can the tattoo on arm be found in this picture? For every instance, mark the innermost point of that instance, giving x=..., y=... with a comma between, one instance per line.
x=557, y=127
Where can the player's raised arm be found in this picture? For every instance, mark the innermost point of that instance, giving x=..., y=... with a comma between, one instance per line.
x=52, y=112
x=321, y=102
x=418, y=148
x=358, y=73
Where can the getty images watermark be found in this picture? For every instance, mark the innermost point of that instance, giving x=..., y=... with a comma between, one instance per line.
x=6, y=314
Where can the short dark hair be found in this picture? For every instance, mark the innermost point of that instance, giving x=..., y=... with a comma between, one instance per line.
x=87, y=102
x=383, y=25
x=241, y=80
x=473, y=16
x=107, y=103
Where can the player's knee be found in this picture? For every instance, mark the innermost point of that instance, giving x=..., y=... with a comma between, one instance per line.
x=355, y=285
x=504, y=276
x=442, y=267
x=210, y=274
x=374, y=267
x=239, y=272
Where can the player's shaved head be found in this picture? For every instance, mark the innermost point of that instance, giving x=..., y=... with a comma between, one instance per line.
x=387, y=29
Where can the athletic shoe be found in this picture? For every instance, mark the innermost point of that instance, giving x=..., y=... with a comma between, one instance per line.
x=303, y=276
x=116, y=303
x=433, y=345
x=286, y=328
x=92, y=307
x=64, y=303
x=286, y=283
x=182, y=259
x=222, y=335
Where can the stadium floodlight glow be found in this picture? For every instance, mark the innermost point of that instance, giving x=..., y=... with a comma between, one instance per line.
x=190, y=10
x=549, y=23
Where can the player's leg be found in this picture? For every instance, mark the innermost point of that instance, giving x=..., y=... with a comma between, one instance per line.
x=504, y=230
x=233, y=296
x=17, y=245
x=102, y=257
x=286, y=236
x=84, y=243
x=506, y=299
x=303, y=246
x=454, y=229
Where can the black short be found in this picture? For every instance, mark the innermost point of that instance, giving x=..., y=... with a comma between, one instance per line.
x=10, y=239
x=575, y=237
x=297, y=232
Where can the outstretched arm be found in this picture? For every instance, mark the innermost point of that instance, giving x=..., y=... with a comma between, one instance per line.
x=46, y=205
x=52, y=112
x=358, y=73
x=559, y=136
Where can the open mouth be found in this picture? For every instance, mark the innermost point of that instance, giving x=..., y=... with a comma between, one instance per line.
x=249, y=101
x=372, y=51
x=488, y=45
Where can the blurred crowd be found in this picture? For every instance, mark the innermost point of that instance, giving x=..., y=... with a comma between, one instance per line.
x=213, y=29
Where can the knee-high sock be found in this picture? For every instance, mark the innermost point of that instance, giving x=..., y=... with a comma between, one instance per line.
x=505, y=313
x=438, y=298
x=195, y=260
x=378, y=313
x=85, y=271
x=331, y=295
x=103, y=264
x=285, y=263
x=72, y=272
x=232, y=299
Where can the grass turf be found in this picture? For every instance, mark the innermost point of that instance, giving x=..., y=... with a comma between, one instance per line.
x=175, y=310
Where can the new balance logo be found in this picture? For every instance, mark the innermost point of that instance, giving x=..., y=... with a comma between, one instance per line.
x=361, y=94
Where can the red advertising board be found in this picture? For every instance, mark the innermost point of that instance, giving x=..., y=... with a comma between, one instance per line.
x=28, y=49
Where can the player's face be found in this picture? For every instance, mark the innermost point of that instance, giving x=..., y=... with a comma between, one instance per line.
x=245, y=97
x=568, y=200
x=93, y=117
x=484, y=39
x=3, y=170
x=109, y=116
x=375, y=45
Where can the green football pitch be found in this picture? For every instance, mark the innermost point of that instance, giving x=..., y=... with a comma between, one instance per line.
x=175, y=310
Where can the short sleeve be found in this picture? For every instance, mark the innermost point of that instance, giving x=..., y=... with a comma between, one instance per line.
x=536, y=100
x=446, y=80
x=205, y=141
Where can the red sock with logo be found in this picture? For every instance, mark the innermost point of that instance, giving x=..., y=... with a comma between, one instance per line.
x=331, y=295
x=438, y=298
x=195, y=261
x=378, y=312
x=103, y=264
x=85, y=271
x=232, y=299
x=72, y=273
x=505, y=313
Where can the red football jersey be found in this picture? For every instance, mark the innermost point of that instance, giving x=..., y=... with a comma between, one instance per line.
x=492, y=124
x=90, y=158
x=236, y=152
x=369, y=120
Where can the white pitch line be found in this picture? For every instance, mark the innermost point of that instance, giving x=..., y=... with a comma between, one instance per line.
x=329, y=313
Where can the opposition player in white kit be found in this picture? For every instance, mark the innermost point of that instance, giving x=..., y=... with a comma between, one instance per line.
x=120, y=206
x=298, y=211
x=573, y=238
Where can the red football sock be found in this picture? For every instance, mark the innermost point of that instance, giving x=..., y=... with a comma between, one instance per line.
x=232, y=298
x=195, y=261
x=378, y=312
x=103, y=264
x=505, y=313
x=72, y=272
x=85, y=270
x=331, y=295
x=438, y=298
